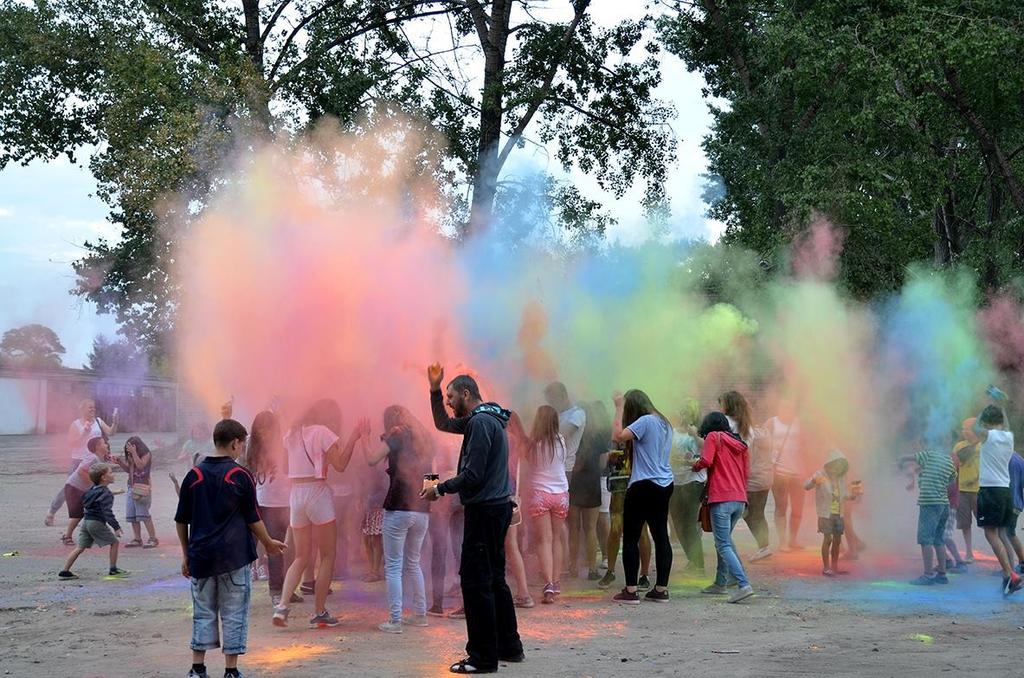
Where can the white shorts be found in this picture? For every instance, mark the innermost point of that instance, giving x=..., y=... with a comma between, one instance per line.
x=311, y=504
x=606, y=498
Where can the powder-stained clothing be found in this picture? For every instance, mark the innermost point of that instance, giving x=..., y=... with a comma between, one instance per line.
x=968, y=458
x=995, y=459
x=937, y=471
x=98, y=503
x=482, y=473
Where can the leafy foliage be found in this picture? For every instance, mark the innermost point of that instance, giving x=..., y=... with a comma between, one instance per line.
x=31, y=346
x=897, y=119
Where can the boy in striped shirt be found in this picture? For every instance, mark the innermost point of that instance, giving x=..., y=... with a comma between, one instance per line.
x=935, y=472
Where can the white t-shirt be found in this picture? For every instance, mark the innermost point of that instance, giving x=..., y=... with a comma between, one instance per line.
x=995, y=459
x=75, y=478
x=784, y=440
x=272, y=491
x=550, y=476
x=306, y=451
x=77, y=432
x=571, y=424
x=682, y=444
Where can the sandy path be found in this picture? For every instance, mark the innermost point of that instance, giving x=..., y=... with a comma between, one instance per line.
x=798, y=625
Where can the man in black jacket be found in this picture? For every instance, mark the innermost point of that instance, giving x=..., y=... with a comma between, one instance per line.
x=485, y=490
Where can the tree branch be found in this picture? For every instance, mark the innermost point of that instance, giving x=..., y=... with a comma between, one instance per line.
x=481, y=21
x=183, y=30
x=362, y=30
x=545, y=89
x=273, y=19
x=606, y=121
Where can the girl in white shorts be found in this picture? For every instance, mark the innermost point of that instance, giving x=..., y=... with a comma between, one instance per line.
x=312, y=445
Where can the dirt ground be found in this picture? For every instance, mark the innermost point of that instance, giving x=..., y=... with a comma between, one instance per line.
x=798, y=624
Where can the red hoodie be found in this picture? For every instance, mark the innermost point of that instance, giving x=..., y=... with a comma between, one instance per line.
x=725, y=457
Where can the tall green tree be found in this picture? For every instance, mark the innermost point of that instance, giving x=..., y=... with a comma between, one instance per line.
x=899, y=120
x=163, y=92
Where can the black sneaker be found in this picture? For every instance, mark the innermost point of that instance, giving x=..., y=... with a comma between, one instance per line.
x=66, y=575
x=116, y=572
x=513, y=659
x=657, y=596
x=607, y=580
x=643, y=583
x=627, y=598
x=593, y=575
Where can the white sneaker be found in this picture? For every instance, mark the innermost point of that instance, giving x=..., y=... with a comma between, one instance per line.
x=761, y=554
x=390, y=627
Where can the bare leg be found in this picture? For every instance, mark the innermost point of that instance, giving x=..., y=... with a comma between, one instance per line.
x=826, y=547
x=515, y=562
x=325, y=536
x=545, y=547
x=72, y=557
x=150, y=528
x=558, y=548
x=603, y=528
x=113, y=554
x=993, y=537
x=589, y=518
x=137, y=531
x=574, y=525
x=302, y=537
x=72, y=524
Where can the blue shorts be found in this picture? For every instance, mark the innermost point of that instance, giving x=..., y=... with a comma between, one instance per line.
x=931, y=524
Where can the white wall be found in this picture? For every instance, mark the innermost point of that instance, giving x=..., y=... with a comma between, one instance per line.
x=22, y=406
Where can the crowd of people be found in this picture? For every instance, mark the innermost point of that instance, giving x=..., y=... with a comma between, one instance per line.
x=567, y=491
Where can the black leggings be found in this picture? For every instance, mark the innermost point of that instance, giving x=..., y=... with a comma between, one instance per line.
x=646, y=502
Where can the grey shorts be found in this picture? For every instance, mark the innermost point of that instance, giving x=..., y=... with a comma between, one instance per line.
x=833, y=525
x=95, y=532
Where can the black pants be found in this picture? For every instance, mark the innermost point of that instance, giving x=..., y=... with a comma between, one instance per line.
x=754, y=516
x=684, y=507
x=646, y=502
x=490, y=614
x=276, y=520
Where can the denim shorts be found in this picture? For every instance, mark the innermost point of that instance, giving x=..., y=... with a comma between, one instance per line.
x=136, y=509
x=224, y=596
x=931, y=524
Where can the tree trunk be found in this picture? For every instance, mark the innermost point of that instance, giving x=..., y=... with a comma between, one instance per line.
x=493, y=41
x=257, y=89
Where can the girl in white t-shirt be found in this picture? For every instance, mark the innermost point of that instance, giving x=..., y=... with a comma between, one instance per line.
x=310, y=447
x=549, y=495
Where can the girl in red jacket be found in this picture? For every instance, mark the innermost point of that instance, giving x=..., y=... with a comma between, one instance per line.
x=724, y=455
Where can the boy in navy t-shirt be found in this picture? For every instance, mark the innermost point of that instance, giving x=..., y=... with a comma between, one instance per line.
x=216, y=521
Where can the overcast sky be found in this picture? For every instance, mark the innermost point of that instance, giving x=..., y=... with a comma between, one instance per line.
x=47, y=210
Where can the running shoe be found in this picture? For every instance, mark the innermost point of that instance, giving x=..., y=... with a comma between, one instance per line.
x=593, y=575
x=192, y=673
x=116, y=572
x=280, y=616
x=959, y=568
x=323, y=620
x=525, y=602
x=923, y=580
x=558, y=588
x=761, y=554
x=742, y=593
x=643, y=583
x=151, y=543
x=656, y=596
x=713, y=589
x=415, y=620
x=388, y=627
x=66, y=575
x=549, y=598
x=626, y=597
x=1013, y=584
x=941, y=578
x=607, y=580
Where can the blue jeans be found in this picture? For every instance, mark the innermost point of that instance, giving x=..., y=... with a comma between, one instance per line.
x=724, y=516
x=227, y=596
x=403, y=534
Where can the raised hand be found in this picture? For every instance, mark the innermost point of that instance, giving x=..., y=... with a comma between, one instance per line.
x=618, y=399
x=435, y=374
